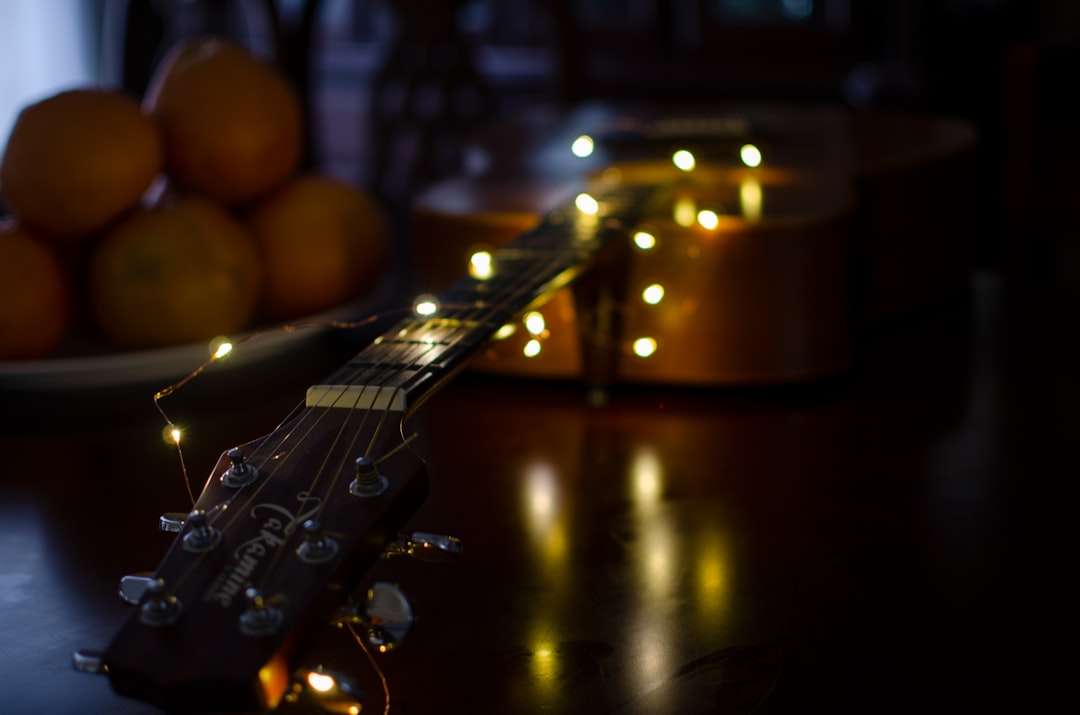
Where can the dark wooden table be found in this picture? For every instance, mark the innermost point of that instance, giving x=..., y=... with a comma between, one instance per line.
x=889, y=540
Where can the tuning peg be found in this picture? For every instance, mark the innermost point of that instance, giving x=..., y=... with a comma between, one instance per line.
x=240, y=473
x=433, y=548
x=159, y=608
x=317, y=547
x=134, y=586
x=262, y=617
x=385, y=618
x=89, y=661
x=368, y=481
x=201, y=536
x=331, y=690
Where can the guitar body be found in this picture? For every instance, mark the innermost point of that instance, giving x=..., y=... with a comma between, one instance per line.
x=853, y=219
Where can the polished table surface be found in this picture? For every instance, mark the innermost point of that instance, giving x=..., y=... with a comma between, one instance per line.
x=888, y=540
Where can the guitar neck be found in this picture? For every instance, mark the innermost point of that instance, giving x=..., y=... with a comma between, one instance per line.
x=404, y=364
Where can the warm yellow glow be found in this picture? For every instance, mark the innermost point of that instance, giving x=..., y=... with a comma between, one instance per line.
x=708, y=219
x=611, y=175
x=505, y=331
x=653, y=636
x=658, y=558
x=750, y=155
x=541, y=494
x=644, y=240
x=544, y=665
x=534, y=322
x=644, y=347
x=532, y=348
x=480, y=265
x=711, y=570
x=543, y=513
x=321, y=682
x=354, y=710
x=171, y=434
x=711, y=578
x=685, y=211
x=647, y=473
x=586, y=204
x=750, y=199
x=583, y=146
x=653, y=294
x=684, y=160
x=220, y=347
x=426, y=305
x=274, y=677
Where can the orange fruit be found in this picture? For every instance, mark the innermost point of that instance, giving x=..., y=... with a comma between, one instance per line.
x=179, y=273
x=34, y=295
x=231, y=124
x=323, y=241
x=77, y=160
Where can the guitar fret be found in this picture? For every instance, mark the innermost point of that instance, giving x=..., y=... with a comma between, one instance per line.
x=366, y=397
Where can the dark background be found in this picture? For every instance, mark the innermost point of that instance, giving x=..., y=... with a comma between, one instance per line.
x=1005, y=65
x=897, y=539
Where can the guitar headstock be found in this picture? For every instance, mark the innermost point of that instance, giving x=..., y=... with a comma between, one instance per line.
x=280, y=537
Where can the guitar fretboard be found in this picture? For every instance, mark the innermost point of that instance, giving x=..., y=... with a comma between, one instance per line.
x=417, y=353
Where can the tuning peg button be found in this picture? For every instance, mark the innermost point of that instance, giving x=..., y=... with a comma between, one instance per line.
x=385, y=617
x=134, y=586
x=172, y=522
x=389, y=616
x=89, y=661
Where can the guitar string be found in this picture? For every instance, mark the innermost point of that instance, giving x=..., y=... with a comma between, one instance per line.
x=466, y=323
x=510, y=295
x=479, y=308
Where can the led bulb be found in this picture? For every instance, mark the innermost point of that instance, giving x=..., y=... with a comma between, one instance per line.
x=583, y=146
x=586, y=204
x=220, y=347
x=684, y=160
x=480, y=265
x=644, y=347
x=644, y=240
x=534, y=322
x=750, y=155
x=708, y=219
x=426, y=305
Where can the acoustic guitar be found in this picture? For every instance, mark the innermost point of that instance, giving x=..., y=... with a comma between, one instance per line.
x=844, y=220
x=286, y=528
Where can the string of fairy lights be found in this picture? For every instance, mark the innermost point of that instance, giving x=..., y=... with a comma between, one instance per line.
x=482, y=266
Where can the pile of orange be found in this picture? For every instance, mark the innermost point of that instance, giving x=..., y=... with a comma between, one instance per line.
x=176, y=218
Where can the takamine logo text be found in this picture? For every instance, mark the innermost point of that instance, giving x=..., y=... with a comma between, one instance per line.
x=278, y=524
